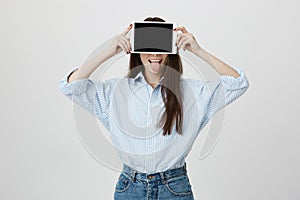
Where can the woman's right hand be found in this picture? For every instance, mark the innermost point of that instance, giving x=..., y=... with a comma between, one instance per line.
x=121, y=42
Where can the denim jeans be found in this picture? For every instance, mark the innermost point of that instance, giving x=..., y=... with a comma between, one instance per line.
x=172, y=184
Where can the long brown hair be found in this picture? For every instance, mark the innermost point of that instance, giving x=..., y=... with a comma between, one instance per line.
x=170, y=87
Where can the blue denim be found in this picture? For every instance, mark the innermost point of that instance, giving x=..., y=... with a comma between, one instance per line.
x=171, y=184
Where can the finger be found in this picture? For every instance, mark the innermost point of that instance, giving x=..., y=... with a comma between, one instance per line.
x=182, y=41
x=184, y=44
x=127, y=30
x=126, y=42
x=122, y=45
x=179, y=36
x=123, y=42
x=181, y=28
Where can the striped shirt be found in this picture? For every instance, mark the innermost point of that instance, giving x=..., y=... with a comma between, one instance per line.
x=129, y=108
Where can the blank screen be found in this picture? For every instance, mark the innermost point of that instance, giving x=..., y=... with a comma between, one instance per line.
x=153, y=37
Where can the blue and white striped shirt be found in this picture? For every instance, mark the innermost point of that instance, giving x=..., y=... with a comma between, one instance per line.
x=129, y=108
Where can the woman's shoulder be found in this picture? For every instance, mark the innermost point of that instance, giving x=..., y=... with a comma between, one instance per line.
x=120, y=82
x=190, y=85
x=192, y=82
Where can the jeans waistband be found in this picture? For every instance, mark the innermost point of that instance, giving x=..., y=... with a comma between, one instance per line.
x=163, y=176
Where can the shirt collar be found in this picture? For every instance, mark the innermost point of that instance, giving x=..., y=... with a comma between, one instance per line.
x=138, y=76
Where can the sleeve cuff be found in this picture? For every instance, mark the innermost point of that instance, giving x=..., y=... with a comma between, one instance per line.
x=232, y=83
x=75, y=87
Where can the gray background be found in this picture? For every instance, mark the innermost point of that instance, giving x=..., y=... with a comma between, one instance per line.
x=41, y=155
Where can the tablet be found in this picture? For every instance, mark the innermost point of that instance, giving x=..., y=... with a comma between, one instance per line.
x=153, y=37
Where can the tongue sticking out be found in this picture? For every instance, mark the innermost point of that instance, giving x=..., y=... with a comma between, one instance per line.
x=155, y=66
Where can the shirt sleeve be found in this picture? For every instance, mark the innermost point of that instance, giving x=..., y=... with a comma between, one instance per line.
x=95, y=97
x=215, y=95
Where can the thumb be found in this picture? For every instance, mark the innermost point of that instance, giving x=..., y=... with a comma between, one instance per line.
x=182, y=29
x=127, y=30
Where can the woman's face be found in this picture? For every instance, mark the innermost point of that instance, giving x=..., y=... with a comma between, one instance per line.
x=153, y=63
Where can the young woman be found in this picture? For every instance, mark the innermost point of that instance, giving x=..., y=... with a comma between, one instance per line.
x=154, y=115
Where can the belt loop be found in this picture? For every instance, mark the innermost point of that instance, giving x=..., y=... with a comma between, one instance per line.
x=184, y=167
x=162, y=176
x=133, y=175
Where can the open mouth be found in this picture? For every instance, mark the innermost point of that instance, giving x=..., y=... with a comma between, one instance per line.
x=155, y=61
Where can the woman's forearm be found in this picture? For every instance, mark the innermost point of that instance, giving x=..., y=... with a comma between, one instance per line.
x=100, y=55
x=221, y=67
x=94, y=60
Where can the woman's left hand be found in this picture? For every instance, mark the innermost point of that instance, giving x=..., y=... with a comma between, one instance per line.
x=186, y=40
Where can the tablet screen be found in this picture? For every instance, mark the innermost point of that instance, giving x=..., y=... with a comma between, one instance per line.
x=153, y=37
